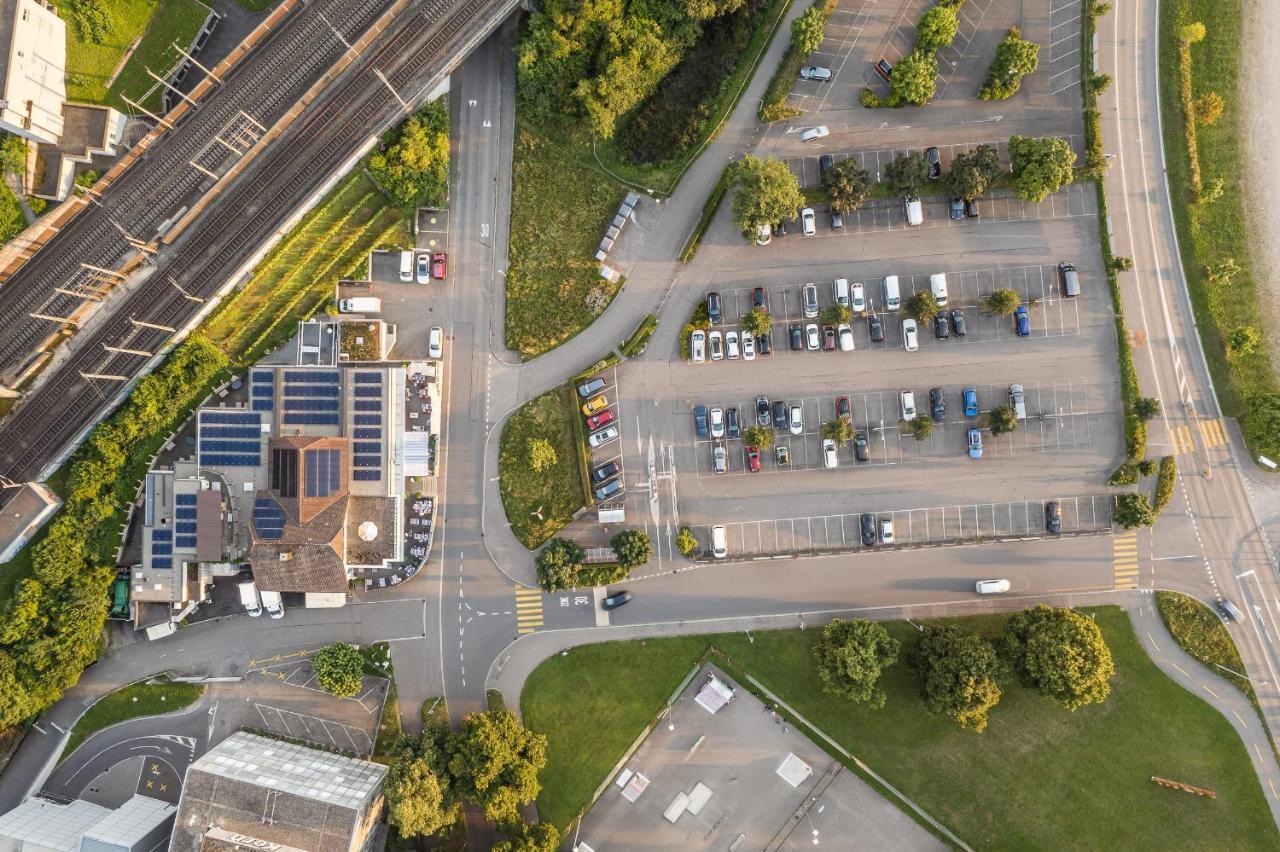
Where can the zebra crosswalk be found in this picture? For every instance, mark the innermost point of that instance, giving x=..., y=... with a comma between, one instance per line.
x=1124, y=556
x=1212, y=432
x=528, y=610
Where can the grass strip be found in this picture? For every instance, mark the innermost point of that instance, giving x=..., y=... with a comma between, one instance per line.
x=175, y=22
x=1001, y=789
x=541, y=503
x=773, y=106
x=709, y=208
x=639, y=339
x=1200, y=633
x=150, y=698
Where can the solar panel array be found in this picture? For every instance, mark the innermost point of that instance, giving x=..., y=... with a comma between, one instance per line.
x=186, y=499
x=311, y=397
x=367, y=462
x=367, y=419
x=230, y=439
x=162, y=548
x=263, y=390
x=324, y=475
x=268, y=519
x=185, y=541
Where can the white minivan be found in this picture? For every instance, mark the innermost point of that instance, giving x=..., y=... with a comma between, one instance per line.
x=892, y=296
x=908, y=405
x=991, y=587
x=938, y=285
x=915, y=212
x=840, y=291
x=719, y=543
x=435, y=342
x=406, y=266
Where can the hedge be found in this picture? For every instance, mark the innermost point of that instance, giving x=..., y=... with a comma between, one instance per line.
x=773, y=106
x=709, y=208
x=1165, y=481
x=639, y=339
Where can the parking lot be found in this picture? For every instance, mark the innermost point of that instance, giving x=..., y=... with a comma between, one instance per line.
x=609, y=452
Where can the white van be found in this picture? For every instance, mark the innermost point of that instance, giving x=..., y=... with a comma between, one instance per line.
x=915, y=212
x=273, y=603
x=406, y=266
x=719, y=544
x=938, y=284
x=249, y=598
x=810, y=301
x=1018, y=401
x=991, y=587
x=840, y=291
x=892, y=297
x=908, y=405
x=360, y=305
x=435, y=342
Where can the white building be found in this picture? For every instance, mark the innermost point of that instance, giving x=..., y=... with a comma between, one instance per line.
x=40, y=825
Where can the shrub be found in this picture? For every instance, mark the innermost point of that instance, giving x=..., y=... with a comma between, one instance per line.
x=1164, y=484
x=541, y=454
x=1135, y=437
x=1208, y=107
x=1133, y=511
x=412, y=165
x=1146, y=407
x=937, y=27
x=1147, y=467
x=1125, y=474
x=632, y=548
x=685, y=541
x=338, y=669
x=559, y=563
x=1262, y=423
x=1015, y=59
x=921, y=427
x=870, y=99
x=1243, y=340
x=915, y=79
x=1202, y=634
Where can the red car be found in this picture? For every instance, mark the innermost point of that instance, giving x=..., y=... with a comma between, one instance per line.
x=842, y=409
x=438, y=266
x=828, y=338
x=604, y=418
x=753, y=460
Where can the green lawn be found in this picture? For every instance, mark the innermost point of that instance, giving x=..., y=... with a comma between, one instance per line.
x=556, y=493
x=132, y=702
x=1040, y=777
x=560, y=207
x=12, y=222
x=1210, y=233
x=90, y=66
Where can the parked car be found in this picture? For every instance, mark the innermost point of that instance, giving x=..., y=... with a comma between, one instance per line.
x=934, y=159
x=825, y=162
x=819, y=132
x=782, y=455
x=1053, y=517
x=970, y=397
x=606, y=471
x=875, y=328
x=780, y=228
x=958, y=324
x=764, y=235
x=971, y=208
x=604, y=418
x=957, y=209
x=816, y=72
x=435, y=342
x=719, y=459
x=438, y=265
x=907, y=400
x=942, y=326
x=764, y=344
x=713, y=306
x=759, y=299
x=748, y=346
x=808, y=222
x=779, y=415
x=858, y=295
x=811, y=340
x=715, y=342
x=1018, y=401
x=830, y=458
x=424, y=268
x=604, y=492
x=809, y=299
x=732, y=428
x=615, y=600
x=698, y=346
x=1022, y=321
x=590, y=387
x=910, y=341
x=843, y=410
x=606, y=435
x=700, y=421
x=1070, y=280
x=753, y=459
x=762, y=411
x=731, y=345
x=868, y=524
x=975, y=443
x=914, y=210
x=845, y=334
x=829, y=338
x=861, y=447
x=886, y=530
x=884, y=69
x=717, y=422
x=797, y=337
x=837, y=221
x=595, y=405
x=796, y=419
x=937, y=405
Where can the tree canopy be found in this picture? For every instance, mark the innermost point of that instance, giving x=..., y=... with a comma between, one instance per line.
x=851, y=657
x=959, y=670
x=632, y=547
x=937, y=27
x=419, y=798
x=807, y=30
x=1002, y=302
x=1015, y=59
x=338, y=669
x=906, y=174
x=1002, y=419
x=1062, y=653
x=922, y=307
x=765, y=191
x=839, y=430
x=558, y=564
x=915, y=79
x=532, y=837
x=414, y=167
x=973, y=172
x=846, y=184
x=1041, y=166
x=1133, y=510
x=495, y=762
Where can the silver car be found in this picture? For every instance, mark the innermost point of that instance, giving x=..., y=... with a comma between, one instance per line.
x=797, y=420
x=719, y=459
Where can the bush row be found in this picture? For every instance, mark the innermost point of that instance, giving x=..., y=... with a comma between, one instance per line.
x=1165, y=480
x=1188, y=114
x=773, y=106
x=639, y=339
x=50, y=629
x=1202, y=635
x=699, y=319
x=709, y=208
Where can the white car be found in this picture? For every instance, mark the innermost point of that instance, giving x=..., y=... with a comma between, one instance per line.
x=910, y=337
x=808, y=222
x=829, y=458
x=731, y=345
x=816, y=72
x=845, y=336
x=908, y=401
x=717, y=422
x=811, y=337
x=716, y=342
x=435, y=342
x=886, y=530
x=991, y=587
x=603, y=436
x=698, y=346
x=748, y=346
x=424, y=269
x=812, y=133
x=764, y=235
x=720, y=459
x=797, y=420
x=859, y=299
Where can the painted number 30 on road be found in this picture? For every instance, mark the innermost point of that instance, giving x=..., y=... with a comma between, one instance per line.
x=580, y=600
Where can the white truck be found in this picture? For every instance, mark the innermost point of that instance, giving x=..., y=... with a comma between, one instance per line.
x=360, y=305
x=273, y=603
x=249, y=597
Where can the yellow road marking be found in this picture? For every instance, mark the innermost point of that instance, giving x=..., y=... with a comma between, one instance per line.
x=1213, y=433
x=528, y=610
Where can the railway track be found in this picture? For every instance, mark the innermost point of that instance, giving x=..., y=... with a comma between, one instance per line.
x=264, y=85
x=416, y=49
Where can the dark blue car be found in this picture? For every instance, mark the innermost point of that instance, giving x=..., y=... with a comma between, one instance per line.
x=700, y=420
x=1022, y=321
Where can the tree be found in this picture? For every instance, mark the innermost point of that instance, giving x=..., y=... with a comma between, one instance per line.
x=13, y=154
x=851, y=657
x=1146, y=407
x=559, y=564
x=1002, y=302
x=542, y=456
x=1208, y=107
x=1062, y=653
x=906, y=174
x=414, y=167
x=532, y=837
x=634, y=57
x=922, y=307
x=921, y=426
x=685, y=541
x=1041, y=166
x=839, y=430
x=1262, y=423
x=760, y=437
x=973, y=172
x=632, y=548
x=847, y=184
x=757, y=321
x=807, y=31
x=1243, y=340
x=1015, y=59
x=338, y=669
x=91, y=20
x=1133, y=511
x=915, y=79
x=1099, y=83
x=86, y=178
x=837, y=314
x=765, y=191
x=1002, y=419
x=418, y=801
x=706, y=9
x=1192, y=32
x=495, y=761
x=958, y=669
x=937, y=27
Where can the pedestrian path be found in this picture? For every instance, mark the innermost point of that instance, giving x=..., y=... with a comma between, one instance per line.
x=1124, y=550
x=528, y=609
